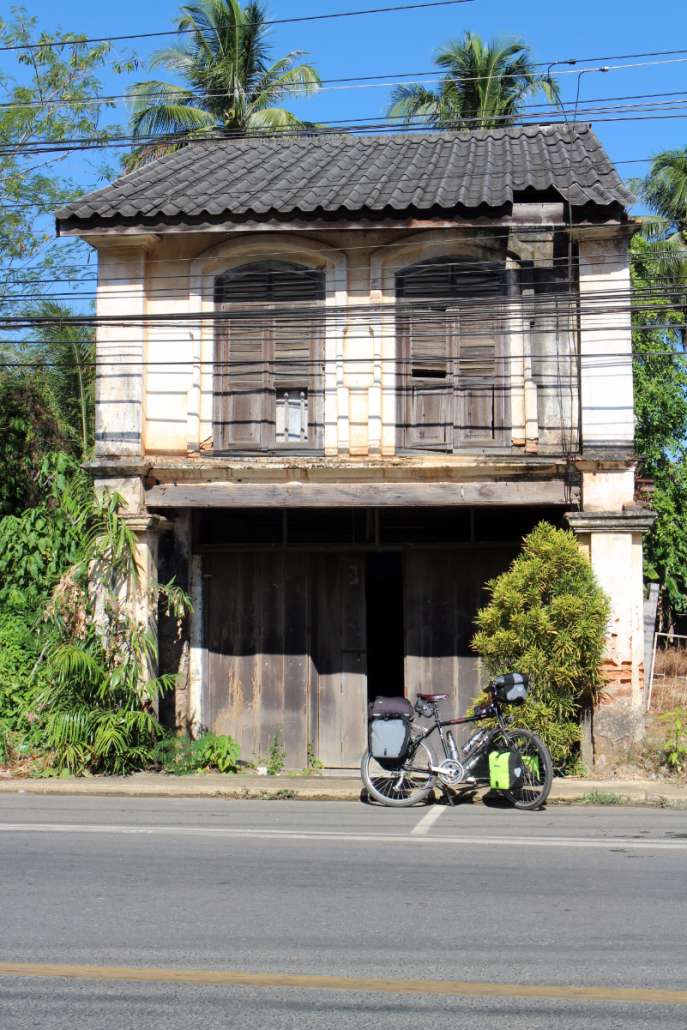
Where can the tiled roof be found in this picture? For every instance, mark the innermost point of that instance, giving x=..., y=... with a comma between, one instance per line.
x=342, y=174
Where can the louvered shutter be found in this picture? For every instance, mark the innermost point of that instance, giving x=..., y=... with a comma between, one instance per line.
x=297, y=346
x=268, y=380
x=240, y=385
x=427, y=379
x=480, y=390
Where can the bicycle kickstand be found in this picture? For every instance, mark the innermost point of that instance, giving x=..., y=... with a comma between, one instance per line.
x=447, y=794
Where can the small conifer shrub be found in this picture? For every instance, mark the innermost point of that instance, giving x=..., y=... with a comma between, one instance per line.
x=547, y=617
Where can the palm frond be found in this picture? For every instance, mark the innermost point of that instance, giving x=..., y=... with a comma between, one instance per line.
x=284, y=77
x=224, y=62
x=485, y=84
x=412, y=102
x=174, y=120
x=665, y=188
x=69, y=662
x=274, y=118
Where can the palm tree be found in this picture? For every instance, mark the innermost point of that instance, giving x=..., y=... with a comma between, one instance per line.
x=485, y=85
x=230, y=84
x=665, y=192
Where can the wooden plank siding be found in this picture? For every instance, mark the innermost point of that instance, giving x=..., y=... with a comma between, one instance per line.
x=286, y=653
x=287, y=647
x=442, y=592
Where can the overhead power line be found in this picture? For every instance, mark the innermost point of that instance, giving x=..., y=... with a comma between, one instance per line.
x=592, y=303
x=550, y=276
x=452, y=239
x=271, y=21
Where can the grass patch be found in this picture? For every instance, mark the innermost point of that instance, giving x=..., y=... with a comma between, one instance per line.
x=278, y=795
x=601, y=797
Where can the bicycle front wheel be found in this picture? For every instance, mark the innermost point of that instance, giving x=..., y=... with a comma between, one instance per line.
x=408, y=785
x=537, y=778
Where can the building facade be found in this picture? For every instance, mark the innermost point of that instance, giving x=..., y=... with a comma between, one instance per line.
x=338, y=379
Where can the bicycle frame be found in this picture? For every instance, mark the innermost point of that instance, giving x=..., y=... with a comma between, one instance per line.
x=486, y=712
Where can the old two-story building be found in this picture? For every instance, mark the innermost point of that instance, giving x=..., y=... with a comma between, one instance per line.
x=339, y=377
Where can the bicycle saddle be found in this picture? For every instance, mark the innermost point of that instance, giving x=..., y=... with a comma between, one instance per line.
x=432, y=697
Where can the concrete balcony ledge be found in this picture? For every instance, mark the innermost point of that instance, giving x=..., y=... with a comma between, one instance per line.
x=631, y=520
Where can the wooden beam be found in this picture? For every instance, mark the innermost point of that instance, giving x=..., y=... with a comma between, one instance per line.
x=358, y=495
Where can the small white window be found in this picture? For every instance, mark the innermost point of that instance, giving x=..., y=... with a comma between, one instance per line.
x=292, y=415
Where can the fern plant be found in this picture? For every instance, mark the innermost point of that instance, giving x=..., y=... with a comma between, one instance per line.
x=97, y=703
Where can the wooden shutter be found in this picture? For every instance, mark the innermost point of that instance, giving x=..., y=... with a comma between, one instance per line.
x=427, y=379
x=480, y=390
x=240, y=385
x=268, y=381
x=297, y=367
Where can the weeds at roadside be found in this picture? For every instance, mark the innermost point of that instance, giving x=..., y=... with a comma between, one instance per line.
x=276, y=758
x=601, y=797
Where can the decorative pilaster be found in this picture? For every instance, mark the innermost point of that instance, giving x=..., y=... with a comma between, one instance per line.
x=613, y=542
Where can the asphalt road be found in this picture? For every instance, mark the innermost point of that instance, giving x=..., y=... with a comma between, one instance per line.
x=571, y=916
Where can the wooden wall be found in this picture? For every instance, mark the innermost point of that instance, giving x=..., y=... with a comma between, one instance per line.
x=285, y=634
x=286, y=642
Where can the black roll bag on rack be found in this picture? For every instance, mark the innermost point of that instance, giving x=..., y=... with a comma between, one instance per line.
x=389, y=729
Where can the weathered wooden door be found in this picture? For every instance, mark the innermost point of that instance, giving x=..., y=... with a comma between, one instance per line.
x=442, y=593
x=339, y=656
x=259, y=675
x=285, y=639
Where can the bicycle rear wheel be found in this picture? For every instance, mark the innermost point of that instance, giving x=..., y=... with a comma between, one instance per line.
x=537, y=770
x=408, y=785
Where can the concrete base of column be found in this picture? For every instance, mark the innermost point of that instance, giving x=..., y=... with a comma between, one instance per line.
x=612, y=540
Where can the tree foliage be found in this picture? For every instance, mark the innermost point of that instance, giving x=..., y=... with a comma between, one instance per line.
x=485, y=85
x=31, y=426
x=547, y=617
x=90, y=698
x=659, y=274
x=229, y=80
x=49, y=98
x=47, y=405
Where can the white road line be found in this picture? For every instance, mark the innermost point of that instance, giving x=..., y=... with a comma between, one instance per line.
x=611, y=843
x=428, y=820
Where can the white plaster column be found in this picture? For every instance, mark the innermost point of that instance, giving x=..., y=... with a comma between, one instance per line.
x=358, y=374
x=120, y=344
x=198, y=660
x=605, y=340
x=516, y=342
x=613, y=542
x=137, y=594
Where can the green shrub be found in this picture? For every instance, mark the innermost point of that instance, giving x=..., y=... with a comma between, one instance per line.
x=19, y=652
x=96, y=705
x=547, y=617
x=215, y=751
x=674, y=751
x=276, y=759
x=182, y=756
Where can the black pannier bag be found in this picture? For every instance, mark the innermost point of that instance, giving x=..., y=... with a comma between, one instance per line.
x=389, y=730
x=511, y=688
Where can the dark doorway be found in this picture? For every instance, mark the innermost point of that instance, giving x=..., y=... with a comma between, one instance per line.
x=385, y=638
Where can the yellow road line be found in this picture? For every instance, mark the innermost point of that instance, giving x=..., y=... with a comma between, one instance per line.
x=236, y=978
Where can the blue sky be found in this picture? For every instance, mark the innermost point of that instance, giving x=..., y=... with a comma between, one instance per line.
x=405, y=41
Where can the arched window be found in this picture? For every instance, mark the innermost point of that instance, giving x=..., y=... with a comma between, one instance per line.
x=452, y=372
x=269, y=354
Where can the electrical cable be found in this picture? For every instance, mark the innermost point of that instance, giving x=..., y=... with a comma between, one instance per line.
x=270, y=21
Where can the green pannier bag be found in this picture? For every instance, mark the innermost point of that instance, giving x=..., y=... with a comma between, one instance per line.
x=505, y=769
